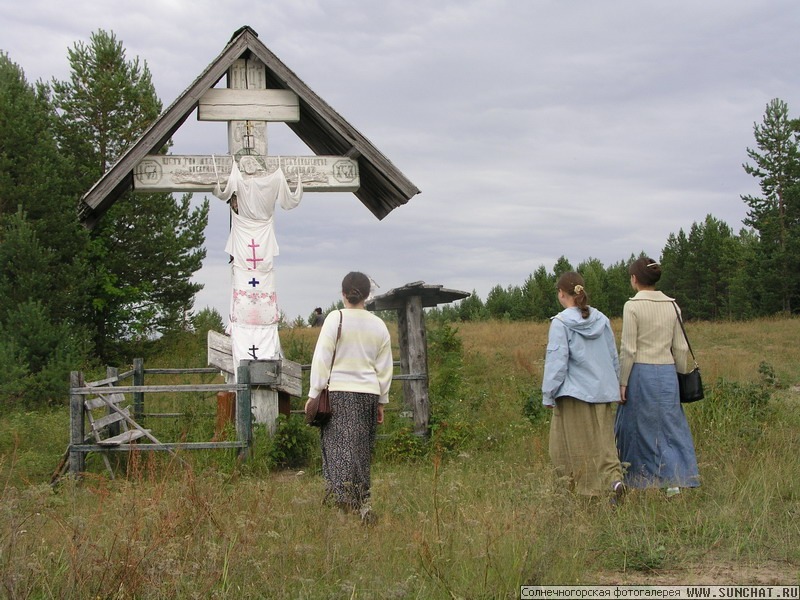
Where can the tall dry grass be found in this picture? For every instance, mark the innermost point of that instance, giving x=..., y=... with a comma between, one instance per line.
x=475, y=523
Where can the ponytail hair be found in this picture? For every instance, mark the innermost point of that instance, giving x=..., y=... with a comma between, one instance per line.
x=572, y=283
x=356, y=287
x=646, y=270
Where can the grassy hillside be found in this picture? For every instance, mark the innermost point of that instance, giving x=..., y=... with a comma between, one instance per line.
x=474, y=513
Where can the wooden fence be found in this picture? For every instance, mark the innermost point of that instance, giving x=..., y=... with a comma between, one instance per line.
x=250, y=374
x=80, y=390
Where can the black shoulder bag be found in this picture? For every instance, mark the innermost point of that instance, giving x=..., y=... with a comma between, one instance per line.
x=690, y=384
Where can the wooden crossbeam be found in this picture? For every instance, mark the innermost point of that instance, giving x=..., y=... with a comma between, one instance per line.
x=248, y=105
x=197, y=173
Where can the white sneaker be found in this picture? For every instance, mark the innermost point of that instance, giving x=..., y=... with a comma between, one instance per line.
x=673, y=491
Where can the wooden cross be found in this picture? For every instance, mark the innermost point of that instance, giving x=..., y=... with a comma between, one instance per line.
x=247, y=105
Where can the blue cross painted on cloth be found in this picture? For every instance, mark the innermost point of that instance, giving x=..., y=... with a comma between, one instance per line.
x=254, y=282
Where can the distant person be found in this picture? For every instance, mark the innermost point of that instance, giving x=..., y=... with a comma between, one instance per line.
x=318, y=319
x=581, y=385
x=653, y=435
x=359, y=389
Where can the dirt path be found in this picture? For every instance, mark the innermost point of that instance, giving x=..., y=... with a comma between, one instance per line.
x=709, y=573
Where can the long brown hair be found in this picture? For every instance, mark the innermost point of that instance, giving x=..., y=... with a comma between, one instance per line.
x=572, y=283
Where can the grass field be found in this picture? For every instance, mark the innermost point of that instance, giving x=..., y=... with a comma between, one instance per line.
x=475, y=513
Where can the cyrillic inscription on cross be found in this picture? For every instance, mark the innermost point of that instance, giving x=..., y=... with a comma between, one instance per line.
x=200, y=173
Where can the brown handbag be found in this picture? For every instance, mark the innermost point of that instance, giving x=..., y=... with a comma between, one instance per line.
x=318, y=411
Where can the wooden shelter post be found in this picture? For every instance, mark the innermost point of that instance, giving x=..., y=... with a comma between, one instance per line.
x=409, y=301
x=414, y=360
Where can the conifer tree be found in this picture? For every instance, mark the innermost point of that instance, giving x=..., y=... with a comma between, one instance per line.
x=776, y=164
x=146, y=248
x=43, y=271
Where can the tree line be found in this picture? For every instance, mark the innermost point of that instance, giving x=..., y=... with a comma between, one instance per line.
x=711, y=270
x=72, y=297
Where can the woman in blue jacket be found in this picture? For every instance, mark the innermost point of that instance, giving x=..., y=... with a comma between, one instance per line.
x=581, y=385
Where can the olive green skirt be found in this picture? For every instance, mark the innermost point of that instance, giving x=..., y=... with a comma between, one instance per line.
x=582, y=446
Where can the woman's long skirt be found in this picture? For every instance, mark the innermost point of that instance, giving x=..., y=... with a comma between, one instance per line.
x=347, y=443
x=582, y=446
x=653, y=436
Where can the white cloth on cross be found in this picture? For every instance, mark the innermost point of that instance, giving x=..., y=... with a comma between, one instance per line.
x=254, y=343
x=258, y=195
x=254, y=301
x=254, y=313
x=252, y=242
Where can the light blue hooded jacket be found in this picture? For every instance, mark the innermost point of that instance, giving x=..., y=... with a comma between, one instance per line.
x=582, y=360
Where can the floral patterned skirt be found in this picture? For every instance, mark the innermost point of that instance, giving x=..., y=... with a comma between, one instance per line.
x=347, y=443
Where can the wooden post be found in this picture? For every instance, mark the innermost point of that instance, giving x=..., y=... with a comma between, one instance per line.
x=138, y=397
x=77, y=460
x=244, y=417
x=226, y=412
x=409, y=302
x=113, y=428
x=284, y=404
x=411, y=321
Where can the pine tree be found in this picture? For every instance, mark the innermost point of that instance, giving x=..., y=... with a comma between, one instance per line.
x=35, y=178
x=776, y=164
x=43, y=271
x=146, y=248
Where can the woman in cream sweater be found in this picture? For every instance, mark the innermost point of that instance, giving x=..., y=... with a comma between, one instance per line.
x=359, y=388
x=653, y=436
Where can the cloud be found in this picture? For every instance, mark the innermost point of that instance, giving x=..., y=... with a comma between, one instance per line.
x=534, y=129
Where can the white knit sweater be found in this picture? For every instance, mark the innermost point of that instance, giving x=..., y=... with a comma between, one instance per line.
x=363, y=355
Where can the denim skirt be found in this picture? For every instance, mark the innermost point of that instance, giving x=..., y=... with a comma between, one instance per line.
x=653, y=438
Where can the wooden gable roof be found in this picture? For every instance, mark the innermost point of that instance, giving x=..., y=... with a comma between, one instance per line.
x=383, y=187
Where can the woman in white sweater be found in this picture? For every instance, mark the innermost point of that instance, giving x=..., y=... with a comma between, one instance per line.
x=653, y=436
x=359, y=389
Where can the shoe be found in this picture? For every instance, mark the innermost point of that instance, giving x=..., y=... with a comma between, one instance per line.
x=673, y=491
x=618, y=493
x=368, y=517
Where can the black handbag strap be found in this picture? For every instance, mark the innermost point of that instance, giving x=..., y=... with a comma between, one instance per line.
x=336, y=343
x=683, y=329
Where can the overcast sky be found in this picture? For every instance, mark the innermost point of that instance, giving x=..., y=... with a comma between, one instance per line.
x=534, y=129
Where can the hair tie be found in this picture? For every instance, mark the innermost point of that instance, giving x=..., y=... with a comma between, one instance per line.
x=578, y=288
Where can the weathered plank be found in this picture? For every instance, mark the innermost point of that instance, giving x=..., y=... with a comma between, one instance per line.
x=200, y=173
x=248, y=105
x=95, y=403
x=112, y=417
x=176, y=389
x=125, y=437
x=220, y=355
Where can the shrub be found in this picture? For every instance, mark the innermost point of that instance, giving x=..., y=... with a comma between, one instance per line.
x=402, y=445
x=293, y=444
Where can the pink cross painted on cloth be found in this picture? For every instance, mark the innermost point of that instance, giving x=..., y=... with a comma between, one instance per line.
x=254, y=260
